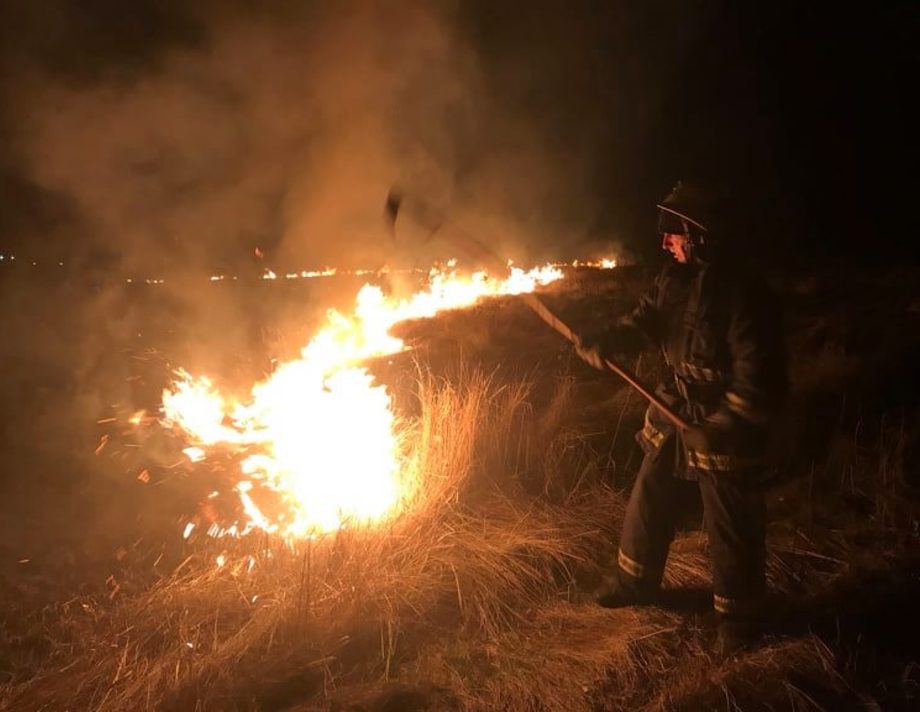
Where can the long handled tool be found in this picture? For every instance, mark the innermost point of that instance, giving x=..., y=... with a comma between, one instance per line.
x=546, y=314
x=494, y=262
x=537, y=304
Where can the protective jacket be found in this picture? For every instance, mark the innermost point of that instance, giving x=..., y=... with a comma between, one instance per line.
x=719, y=330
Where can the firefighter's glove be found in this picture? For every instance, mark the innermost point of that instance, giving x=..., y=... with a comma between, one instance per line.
x=589, y=350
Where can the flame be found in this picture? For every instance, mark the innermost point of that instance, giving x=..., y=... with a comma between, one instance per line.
x=320, y=433
x=268, y=274
x=603, y=263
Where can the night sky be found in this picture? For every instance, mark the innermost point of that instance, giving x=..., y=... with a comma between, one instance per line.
x=162, y=134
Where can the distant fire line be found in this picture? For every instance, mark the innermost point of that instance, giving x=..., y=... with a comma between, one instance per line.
x=269, y=274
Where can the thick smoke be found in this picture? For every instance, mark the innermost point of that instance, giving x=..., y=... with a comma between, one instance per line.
x=284, y=130
x=271, y=132
x=171, y=143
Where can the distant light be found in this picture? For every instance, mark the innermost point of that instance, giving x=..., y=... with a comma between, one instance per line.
x=12, y=257
x=1, y=258
x=60, y=264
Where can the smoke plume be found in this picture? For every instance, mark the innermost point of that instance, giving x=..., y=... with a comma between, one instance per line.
x=283, y=130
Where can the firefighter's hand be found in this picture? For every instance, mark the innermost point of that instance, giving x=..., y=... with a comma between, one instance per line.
x=590, y=352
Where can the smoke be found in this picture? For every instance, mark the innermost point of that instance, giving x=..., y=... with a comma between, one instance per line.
x=175, y=141
x=172, y=136
x=229, y=127
x=166, y=142
x=274, y=131
x=169, y=140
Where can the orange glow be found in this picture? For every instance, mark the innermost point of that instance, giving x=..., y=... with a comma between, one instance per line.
x=603, y=263
x=320, y=433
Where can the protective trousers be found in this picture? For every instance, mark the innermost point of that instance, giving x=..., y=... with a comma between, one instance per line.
x=733, y=517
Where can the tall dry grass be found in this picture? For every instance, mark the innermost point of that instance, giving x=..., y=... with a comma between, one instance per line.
x=463, y=595
x=472, y=554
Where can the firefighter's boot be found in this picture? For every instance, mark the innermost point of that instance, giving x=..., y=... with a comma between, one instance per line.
x=620, y=590
x=734, y=635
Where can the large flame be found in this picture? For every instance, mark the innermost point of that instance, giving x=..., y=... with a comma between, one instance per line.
x=320, y=433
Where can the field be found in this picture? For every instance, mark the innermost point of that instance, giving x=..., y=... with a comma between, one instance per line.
x=468, y=600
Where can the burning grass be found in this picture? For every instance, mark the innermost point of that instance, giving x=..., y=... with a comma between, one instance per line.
x=471, y=556
x=463, y=601
x=459, y=603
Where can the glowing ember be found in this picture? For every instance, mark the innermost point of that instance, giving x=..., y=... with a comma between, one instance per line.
x=195, y=454
x=319, y=433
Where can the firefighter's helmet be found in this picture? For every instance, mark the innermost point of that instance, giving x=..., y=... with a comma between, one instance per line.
x=689, y=209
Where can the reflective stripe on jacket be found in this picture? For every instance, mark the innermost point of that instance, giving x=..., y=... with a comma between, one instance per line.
x=721, y=335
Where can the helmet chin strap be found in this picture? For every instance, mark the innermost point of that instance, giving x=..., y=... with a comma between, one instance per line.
x=695, y=238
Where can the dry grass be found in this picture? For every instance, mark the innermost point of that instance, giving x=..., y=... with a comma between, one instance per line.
x=462, y=602
x=471, y=556
x=560, y=659
x=797, y=674
x=459, y=603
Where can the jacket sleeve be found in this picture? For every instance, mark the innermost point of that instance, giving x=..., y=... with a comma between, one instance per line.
x=758, y=382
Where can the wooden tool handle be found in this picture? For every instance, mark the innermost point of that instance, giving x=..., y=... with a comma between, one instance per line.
x=493, y=261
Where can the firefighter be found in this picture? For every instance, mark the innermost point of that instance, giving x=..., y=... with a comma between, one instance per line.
x=718, y=328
